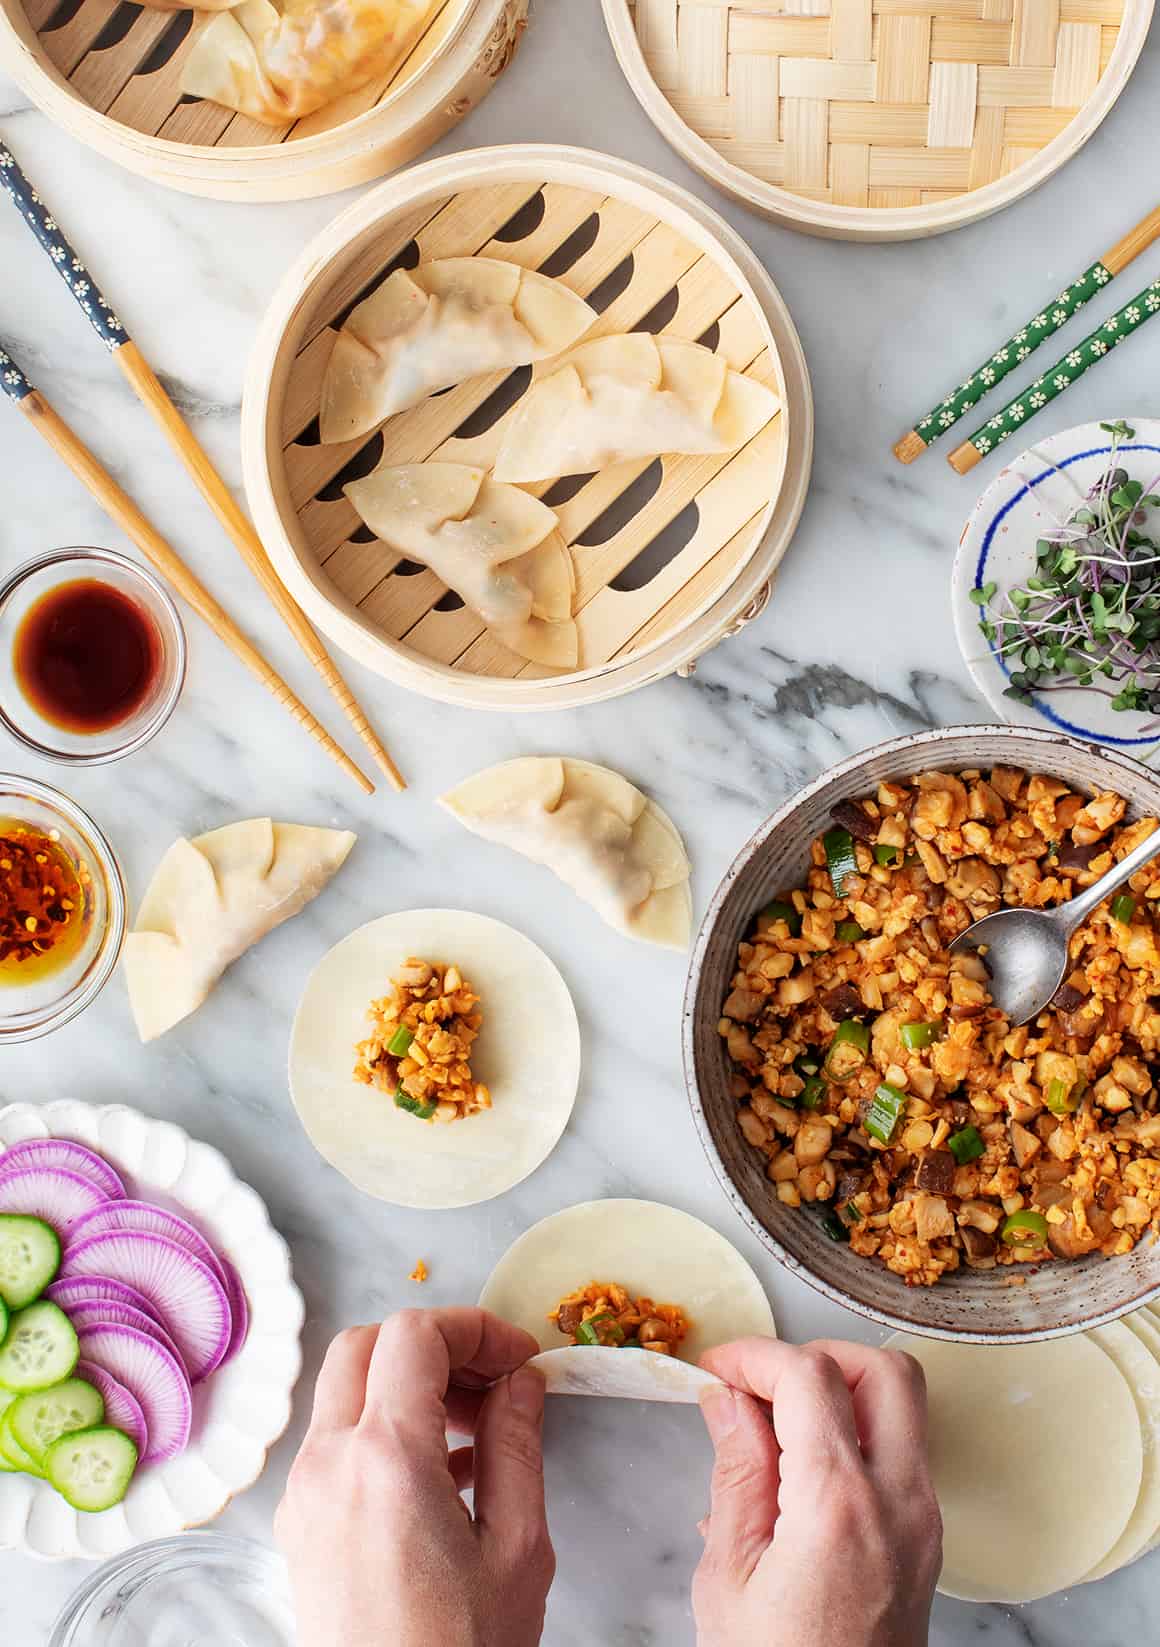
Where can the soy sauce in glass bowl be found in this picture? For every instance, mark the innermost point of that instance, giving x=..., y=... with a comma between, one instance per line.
x=92, y=655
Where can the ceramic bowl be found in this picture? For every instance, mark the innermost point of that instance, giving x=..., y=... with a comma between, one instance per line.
x=1034, y=492
x=971, y=1306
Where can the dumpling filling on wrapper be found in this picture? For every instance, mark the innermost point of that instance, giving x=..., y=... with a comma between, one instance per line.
x=596, y=831
x=497, y=547
x=525, y=1055
x=627, y=397
x=279, y=64
x=653, y=1252
x=431, y=327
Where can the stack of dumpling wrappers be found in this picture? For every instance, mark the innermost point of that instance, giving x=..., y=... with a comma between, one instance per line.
x=608, y=400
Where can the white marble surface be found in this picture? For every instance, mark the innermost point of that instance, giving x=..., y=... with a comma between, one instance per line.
x=856, y=646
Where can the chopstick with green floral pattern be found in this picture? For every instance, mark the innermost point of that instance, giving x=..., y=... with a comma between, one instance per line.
x=1027, y=339
x=1106, y=337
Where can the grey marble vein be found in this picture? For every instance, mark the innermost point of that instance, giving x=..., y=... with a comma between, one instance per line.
x=857, y=645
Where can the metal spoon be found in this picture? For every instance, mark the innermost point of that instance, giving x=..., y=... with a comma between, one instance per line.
x=1026, y=953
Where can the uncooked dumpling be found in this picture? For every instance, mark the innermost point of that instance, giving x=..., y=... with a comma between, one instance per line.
x=500, y=549
x=210, y=899
x=428, y=328
x=631, y=396
x=614, y=847
x=279, y=63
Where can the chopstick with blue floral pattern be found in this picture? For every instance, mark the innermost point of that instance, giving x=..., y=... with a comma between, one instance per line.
x=152, y=394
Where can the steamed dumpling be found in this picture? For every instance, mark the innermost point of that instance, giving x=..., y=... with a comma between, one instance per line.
x=210, y=899
x=428, y=328
x=630, y=396
x=614, y=847
x=499, y=549
x=279, y=63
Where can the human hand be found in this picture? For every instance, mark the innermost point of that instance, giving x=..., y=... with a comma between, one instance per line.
x=379, y=1544
x=823, y=1526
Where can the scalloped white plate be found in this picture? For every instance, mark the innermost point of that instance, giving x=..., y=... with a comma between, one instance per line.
x=241, y=1410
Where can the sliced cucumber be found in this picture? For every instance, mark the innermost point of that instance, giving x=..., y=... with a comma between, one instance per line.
x=29, y=1259
x=92, y=1469
x=37, y=1420
x=12, y=1452
x=40, y=1349
x=3, y=1320
x=6, y=1400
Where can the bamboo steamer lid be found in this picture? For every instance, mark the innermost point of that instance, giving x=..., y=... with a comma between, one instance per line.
x=109, y=73
x=671, y=555
x=877, y=119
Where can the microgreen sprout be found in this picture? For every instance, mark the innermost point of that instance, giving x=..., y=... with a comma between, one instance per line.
x=1089, y=617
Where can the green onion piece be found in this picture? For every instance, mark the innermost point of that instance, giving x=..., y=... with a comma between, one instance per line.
x=779, y=910
x=966, y=1145
x=851, y=1213
x=916, y=1036
x=602, y=1330
x=413, y=1105
x=885, y=1112
x=400, y=1041
x=813, y=1092
x=848, y=932
x=1024, y=1229
x=848, y=1050
x=885, y=854
x=1123, y=907
x=834, y=1226
x=1061, y=1099
x=840, y=859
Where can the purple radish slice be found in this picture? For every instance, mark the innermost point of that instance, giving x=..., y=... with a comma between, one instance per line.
x=140, y=1215
x=239, y=1310
x=52, y=1193
x=184, y=1294
x=105, y=1312
x=122, y=1410
x=64, y=1154
x=84, y=1288
x=153, y=1378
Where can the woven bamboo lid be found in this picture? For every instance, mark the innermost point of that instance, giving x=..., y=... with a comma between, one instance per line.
x=877, y=119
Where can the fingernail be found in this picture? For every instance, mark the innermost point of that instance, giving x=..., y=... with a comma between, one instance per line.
x=703, y=1526
x=719, y=1409
x=526, y=1389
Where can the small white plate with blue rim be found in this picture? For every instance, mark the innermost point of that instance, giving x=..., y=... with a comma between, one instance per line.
x=1035, y=493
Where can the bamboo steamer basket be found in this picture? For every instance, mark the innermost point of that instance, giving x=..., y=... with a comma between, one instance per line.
x=109, y=73
x=877, y=119
x=671, y=555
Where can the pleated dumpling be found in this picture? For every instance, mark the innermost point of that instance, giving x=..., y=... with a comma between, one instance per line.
x=439, y=324
x=614, y=847
x=500, y=549
x=630, y=396
x=280, y=62
x=210, y=899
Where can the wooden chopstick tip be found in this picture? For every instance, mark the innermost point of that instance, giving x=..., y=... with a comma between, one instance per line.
x=964, y=458
x=910, y=447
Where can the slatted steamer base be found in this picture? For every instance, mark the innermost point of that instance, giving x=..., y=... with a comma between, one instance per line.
x=125, y=61
x=655, y=544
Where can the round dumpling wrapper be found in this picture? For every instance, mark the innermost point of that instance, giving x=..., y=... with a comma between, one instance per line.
x=527, y=1053
x=1037, y=1460
x=1145, y=1326
x=654, y=1252
x=1136, y=1362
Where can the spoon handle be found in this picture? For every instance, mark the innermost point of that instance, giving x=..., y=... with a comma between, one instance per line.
x=1080, y=907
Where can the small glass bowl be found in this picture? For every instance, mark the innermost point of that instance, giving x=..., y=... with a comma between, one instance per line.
x=197, y=1590
x=28, y=1011
x=20, y=591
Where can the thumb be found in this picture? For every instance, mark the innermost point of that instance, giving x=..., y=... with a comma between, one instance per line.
x=509, y=1475
x=745, y=1482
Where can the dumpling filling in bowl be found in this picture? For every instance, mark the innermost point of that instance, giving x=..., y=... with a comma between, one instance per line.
x=873, y=1072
